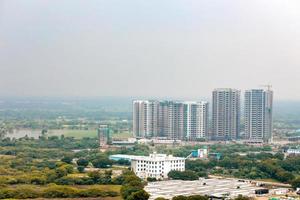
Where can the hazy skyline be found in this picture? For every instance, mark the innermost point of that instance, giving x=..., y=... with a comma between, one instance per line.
x=155, y=48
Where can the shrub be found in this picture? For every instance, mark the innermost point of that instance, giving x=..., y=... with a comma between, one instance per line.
x=95, y=192
x=82, y=162
x=185, y=175
x=151, y=179
x=65, y=181
x=67, y=159
x=140, y=195
x=26, y=192
x=60, y=192
x=80, y=169
x=6, y=193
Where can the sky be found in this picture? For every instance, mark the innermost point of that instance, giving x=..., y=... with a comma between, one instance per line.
x=148, y=48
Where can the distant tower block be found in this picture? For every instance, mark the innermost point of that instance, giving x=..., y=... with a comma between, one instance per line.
x=259, y=114
x=226, y=114
x=104, y=136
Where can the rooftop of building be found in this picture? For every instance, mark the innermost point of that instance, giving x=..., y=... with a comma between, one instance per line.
x=158, y=157
x=226, y=89
x=212, y=187
x=151, y=157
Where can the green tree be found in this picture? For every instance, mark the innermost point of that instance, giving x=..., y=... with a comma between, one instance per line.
x=80, y=169
x=131, y=184
x=69, y=168
x=197, y=197
x=61, y=171
x=241, y=197
x=296, y=183
x=102, y=163
x=82, y=162
x=67, y=159
x=139, y=195
x=180, y=198
x=151, y=179
x=185, y=175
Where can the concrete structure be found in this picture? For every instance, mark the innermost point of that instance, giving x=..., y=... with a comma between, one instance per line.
x=200, y=153
x=117, y=157
x=171, y=119
x=104, y=136
x=259, y=114
x=215, y=188
x=226, y=114
x=158, y=140
x=145, y=116
x=293, y=151
x=156, y=165
x=124, y=142
x=195, y=120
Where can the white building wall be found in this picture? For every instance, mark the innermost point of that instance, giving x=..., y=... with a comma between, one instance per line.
x=195, y=120
x=156, y=165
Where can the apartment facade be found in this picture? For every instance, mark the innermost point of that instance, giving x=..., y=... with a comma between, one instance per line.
x=259, y=114
x=196, y=120
x=225, y=114
x=172, y=114
x=171, y=119
x=145, y=118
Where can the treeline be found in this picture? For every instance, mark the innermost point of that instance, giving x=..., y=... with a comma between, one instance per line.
x=53, y=191
x=186, y=175
x=33, y=186
x=50, y=160
x=251, y=166
x=51, y=142
x=228, y=149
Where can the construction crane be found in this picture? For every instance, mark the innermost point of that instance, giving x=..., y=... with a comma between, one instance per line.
x=268, y=86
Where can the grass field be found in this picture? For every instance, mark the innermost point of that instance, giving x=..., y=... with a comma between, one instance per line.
x=74, y=133
x=122, y=135
x=268, y=180
x=86, y=133
x=81, y=133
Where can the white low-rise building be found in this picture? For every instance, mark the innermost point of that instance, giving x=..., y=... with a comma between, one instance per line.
x=156, y=165
x=293, y=151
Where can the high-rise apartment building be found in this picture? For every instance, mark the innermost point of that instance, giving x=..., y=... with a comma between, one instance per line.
x=171, y=119
x=104, y=136
x=195, y=120
x=225, y=114
x=258, y=114
x=145, y=118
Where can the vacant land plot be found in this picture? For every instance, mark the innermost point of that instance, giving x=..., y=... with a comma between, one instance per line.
x=78, y=134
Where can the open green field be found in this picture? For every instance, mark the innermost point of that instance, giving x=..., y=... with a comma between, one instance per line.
x=81, y=133
x=122, y=135
x=86, y=133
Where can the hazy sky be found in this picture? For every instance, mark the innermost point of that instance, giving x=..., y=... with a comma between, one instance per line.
x=155, y=48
